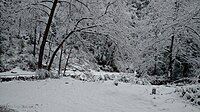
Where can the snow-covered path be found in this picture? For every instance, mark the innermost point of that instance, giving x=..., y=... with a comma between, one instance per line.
x=77, y=96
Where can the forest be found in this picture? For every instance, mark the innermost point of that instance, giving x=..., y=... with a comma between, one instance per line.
x=116, y=42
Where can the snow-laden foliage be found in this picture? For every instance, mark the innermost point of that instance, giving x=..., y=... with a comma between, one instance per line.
x=106, y=76
x=190, y=93
x=43, y=74
x=6, y=109
x=155, y=25
x=17, y=53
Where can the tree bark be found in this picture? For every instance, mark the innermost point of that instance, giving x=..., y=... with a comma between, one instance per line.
x=60, y=45
x=61, y=52
x=20, y=21
x=67, y=61
x=42, y=46
x=49, y=53
x=170, y=70
x=35, y=40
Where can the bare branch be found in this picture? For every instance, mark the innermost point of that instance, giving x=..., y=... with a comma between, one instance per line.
x=43, y=11
x=62, y=42
x=42, y=5
x=27, y=8
x=83, y=4
x=89, y=27
x=44, y=1
x=106, y=10
x=40, y=21
x=80, y=21
x=193, y=31
x=195, y=18
x=84, y=46
x=69, y=3
x=109, y=4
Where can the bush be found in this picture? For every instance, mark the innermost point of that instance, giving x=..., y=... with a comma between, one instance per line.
x=43, y=74
x=191, y=93
x=6, y=109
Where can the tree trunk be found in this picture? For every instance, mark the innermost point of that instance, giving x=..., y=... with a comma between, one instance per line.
x=155, y=66
x=49, y=53
x=67, y=61
x=61, y=52
x=170, y=70
x=54, y=53
x=19, y=30
x=42, y=46
x=185, y=69
x=35, y=39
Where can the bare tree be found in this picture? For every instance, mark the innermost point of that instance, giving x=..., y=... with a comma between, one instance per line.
x=42, y=46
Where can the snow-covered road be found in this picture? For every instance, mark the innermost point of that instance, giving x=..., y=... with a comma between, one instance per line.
x=69, y=95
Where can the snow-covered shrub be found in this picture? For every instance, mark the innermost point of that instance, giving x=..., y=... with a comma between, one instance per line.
x=28, y=62
x=140, y=81
x=190, y=93
x=107, y=77
x=83, y=76
x=6, y=109
x=42, y=74
x=130, y=78
x=101, y=76
x=89, y=76
x=124, y=79
x=112, y=77
x=157, y=80
x=24, y=61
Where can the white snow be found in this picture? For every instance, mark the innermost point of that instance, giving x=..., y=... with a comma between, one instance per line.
x=69, y=95
x=17, y=72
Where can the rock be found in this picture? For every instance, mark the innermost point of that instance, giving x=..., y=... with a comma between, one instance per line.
x=116, y=83
x=153, y=91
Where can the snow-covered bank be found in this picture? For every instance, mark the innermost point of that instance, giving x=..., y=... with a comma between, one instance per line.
x=69, y=95
x=17, y=72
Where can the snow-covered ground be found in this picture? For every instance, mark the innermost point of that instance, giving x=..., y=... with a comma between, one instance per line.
x=70, y=95
x=17, y=72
